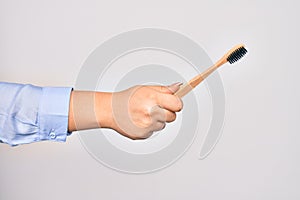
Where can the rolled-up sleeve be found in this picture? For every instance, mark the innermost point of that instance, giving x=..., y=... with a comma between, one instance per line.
x=29, y=113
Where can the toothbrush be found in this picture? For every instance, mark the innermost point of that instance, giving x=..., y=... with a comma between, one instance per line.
x=231, y=56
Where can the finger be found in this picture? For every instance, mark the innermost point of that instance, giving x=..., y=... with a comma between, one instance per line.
x=174, y=87
x=157, y=114
x=171, y=89
x=159, y=126
x=144, y=136
x=161, y=88
x=169, y=102
x=162, y=115
x=169, y=116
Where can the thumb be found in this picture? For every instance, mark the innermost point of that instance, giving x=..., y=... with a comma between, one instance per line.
x=174, y=87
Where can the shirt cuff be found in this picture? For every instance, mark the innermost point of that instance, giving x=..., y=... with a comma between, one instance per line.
x=53, y=113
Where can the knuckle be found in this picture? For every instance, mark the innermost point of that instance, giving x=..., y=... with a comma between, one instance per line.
x=152, y=95
x=145, y=123
x=146, y=120
x=144, y=135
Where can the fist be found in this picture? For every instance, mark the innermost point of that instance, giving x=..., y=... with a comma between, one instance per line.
x=141, y=110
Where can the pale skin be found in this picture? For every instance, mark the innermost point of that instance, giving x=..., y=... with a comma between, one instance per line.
x=135, y=113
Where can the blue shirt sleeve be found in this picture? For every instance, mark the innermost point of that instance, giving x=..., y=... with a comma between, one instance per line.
x=29, y=113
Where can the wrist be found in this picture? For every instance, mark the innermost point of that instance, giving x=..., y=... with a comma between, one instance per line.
x=103, y=109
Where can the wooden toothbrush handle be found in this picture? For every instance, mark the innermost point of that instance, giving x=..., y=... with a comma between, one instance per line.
x=186, y=88
x=183, y=90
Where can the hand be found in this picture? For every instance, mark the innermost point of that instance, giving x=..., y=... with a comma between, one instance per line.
x=135, y=113
x=140, y=110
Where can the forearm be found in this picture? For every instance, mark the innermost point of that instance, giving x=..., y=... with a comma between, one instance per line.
x=90, y=110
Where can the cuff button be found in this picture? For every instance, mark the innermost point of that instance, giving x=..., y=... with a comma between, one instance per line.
x=52, y=135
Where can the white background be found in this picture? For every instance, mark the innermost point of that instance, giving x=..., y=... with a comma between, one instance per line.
x=46, y=43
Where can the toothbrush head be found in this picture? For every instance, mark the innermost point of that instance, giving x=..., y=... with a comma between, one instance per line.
x=236, y=53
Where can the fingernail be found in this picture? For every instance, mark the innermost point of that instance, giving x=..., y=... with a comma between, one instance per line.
x=178, y=84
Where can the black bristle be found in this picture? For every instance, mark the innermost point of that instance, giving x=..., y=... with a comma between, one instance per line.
x=236, y=55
